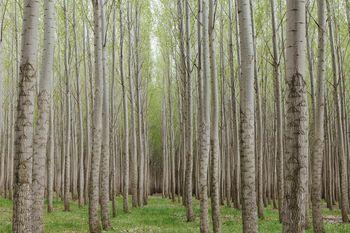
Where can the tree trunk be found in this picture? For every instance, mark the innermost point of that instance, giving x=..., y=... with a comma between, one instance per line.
x=188, y=119
x=214, y=137
x=133, y=143
x=22, y=209
x=94, y=223
x=67, y=152
x=278, y=109
x=296, y=131
x=105, y=153
x=80, y=116
x=205, y=123
x=249, y=213
x=318, y=146
x=344, y=200
x=125, y=116
x=42, y=125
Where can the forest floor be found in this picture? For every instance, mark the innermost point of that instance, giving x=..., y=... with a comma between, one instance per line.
x=160, y=215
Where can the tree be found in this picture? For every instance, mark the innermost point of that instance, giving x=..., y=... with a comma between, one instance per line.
x=42, y=125
x=80, y=113
x=125, y=116
x=188, y=117
x=22, y=209
x=105, y=153
x=318, y=145
x=94, y=223
x=249, y=212
x=278, y=103
x=214, y=137
x=205, y=122
x=67, y=152
x=133, y=142
x=344, y=203
x=296, y=123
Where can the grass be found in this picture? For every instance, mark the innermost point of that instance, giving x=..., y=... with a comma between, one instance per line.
x=159, y=216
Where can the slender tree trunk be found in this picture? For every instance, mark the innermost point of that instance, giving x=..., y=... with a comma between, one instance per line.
x=205, y=123
x=113, y=143
x=296, y=131
x=67, y=152
x=139, y=116
x=318, y=146
x=171, y=134
x=344, y=200
x=133, y=143
x=249, y=213
x=105, y=149
x=80, y=115
x=258, y=126
x=42, y=125
x=22, y=208
x=50, y=159
x=165, y=148
x=278, y=109
x=188, y=119
x=94, y=223
x=235, y=114
x=2, y=155
x=125, y=116
x=214, y=137
x=87, y=122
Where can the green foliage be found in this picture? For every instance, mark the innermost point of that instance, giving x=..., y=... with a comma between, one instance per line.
x=160, y=215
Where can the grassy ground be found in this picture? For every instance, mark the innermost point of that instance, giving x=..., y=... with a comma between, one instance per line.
x=160, y=215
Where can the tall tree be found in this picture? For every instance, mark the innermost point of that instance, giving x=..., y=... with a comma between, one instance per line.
x=344, y=200
x=278, y=107
x=188, y=117
x=22, y=198
x=125, y=115
x=42, y=124
x=205, y=122
x=105, y=149
x=67, y=152
x=249, y=210
x=94, y=223
x=318, y=145
x=214, y=137
x=79, y=113
x=133, y=142
x=296, y=130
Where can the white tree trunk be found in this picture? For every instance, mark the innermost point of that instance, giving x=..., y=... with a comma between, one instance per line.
x=296, y=130
x=249, y=210
x=22, y=209
x=42, y=125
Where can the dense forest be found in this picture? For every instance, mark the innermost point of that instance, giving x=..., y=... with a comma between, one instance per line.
x=174, y=116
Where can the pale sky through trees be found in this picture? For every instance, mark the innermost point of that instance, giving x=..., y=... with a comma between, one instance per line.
x=154, y=40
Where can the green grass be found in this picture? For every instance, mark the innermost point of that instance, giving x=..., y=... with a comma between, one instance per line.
x=160, y=215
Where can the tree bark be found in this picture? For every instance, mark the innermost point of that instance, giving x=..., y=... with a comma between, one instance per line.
x=249, y=213
x=42, y=125
x=22, y=209
x=296, y=131
x=278, y=109
x=94, y=223
x=188, y=118
x=205, y=123
x=105, y=149
x=214, y=137
x=125, y=116
x=344, y=200
x=318, y=146
x=67, y=152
